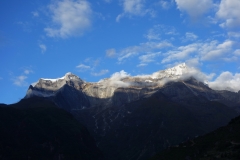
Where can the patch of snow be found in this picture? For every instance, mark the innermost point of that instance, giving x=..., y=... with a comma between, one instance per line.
x=149, y=81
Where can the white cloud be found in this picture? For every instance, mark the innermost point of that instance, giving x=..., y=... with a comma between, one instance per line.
x=111, y=52
x=20, y=81
x=180, y=53
x=142, y=48
x=196, y=73
x=69, y=18
x=215, y=50
x=165, y=4
x=237, y=52
x=43, y=48
x=133, y=7
x=156, y=31
x=119, y=75
x=102, y=72
x=147, y=58
x=229, y=12
x=116, y=80
x=205, y=51
x=153, y=34
x=194, y=62
x=82, y=67
x=226, y=81
x=190, y=36
x=27, y=71
x=182, y=74
x=35, y=14
x=234, y=34
x=195, y=8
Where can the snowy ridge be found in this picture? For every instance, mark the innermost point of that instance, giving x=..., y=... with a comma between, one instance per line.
x=67, y=76
x=106, y=88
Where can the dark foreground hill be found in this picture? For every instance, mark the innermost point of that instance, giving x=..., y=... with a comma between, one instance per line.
x=36, y=129
x=223, y=143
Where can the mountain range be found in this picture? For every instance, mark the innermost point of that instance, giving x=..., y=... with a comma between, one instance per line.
x=135, y=117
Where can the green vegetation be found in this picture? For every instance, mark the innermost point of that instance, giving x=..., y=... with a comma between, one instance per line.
x=36, y=129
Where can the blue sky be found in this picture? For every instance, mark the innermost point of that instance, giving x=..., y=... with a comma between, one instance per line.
x=94, y=39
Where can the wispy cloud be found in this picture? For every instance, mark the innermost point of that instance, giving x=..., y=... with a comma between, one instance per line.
x=165, y=4
x=43, y=48
x=83, y=67
x=20, y=81
x=35, y=14
x=189, y=36
x=205, y=51
x=237, y=52
x=142, y=48
x=69, y=18
x=27, y=71
x=159, y=30
x=147, y=58
x=133, y=8
x=111, y=52
x=102, y=72
x=234, y=35
x=180, y=53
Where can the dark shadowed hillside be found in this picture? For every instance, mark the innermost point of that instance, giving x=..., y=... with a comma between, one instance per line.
x=140, y=129
x=35, y=129
x=223, y=143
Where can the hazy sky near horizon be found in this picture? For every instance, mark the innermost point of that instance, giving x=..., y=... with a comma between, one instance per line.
x=94, y=39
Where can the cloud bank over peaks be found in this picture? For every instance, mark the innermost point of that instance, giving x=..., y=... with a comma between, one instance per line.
x=226, y=81
x=180, y=72
x=69, y=18
x=116, y=80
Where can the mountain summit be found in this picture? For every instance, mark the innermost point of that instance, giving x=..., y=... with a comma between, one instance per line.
x=133, y=117
x=131, y=88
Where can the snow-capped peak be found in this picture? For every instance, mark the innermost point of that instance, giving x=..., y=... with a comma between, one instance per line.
x=174, y=72
x=70, y=76
x=177, y=70
x=67, y=77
